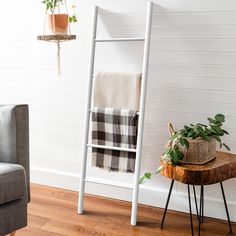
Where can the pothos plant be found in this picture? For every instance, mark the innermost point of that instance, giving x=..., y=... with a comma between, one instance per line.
x=179, y=138
x=51, y=5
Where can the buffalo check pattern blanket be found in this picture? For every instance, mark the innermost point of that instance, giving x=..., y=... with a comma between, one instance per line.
x=117, y=128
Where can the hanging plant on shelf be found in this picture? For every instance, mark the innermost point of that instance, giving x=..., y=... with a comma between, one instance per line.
x=57, y=24
x=58, y=19
x=190, y=143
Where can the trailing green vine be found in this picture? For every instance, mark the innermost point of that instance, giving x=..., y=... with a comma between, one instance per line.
x=179, y=140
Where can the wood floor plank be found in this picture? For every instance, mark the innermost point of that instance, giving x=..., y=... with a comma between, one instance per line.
x=34, y=231
x=71, y=229
x=37, y=221
x=53, y=212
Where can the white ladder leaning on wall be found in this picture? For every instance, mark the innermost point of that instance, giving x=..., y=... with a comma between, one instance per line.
x=138, y=149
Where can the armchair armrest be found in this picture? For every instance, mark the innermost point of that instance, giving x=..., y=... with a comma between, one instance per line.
x=14, y=136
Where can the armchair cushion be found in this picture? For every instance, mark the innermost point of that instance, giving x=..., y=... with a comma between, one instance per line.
x=12, y=183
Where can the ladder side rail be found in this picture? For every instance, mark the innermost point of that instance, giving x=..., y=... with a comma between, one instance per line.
x=87, y=119
x=142, y=113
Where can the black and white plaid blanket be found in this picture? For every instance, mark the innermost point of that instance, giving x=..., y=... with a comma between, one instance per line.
x=118, y=128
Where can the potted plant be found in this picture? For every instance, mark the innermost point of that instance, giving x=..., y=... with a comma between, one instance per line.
x=57, y=23
x=192, y=142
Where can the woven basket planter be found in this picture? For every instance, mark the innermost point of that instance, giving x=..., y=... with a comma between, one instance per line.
x=200, y=151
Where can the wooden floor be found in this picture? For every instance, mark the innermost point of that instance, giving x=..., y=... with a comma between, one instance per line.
x=53, y=212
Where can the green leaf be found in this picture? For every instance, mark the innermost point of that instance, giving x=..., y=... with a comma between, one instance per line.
x=142, y=179
x=173, y=137
x=146, y=176
x=217, y=138
x=204, y=135
x=202, y=124
x=212, y=120
x=220, y=118
x=184, y=142
x=72, y=19
x=191, y=134
x=226, y=132
x=226, y=146
x=217, y=129
x=199, y=128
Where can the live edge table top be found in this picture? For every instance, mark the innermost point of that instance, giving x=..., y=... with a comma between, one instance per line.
x=221, y=168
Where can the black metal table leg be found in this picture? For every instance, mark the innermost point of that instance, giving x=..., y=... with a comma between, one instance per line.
x=167, y=203
x=195, y=198
x=190, y=210
x=202, y=204
x=226, y=208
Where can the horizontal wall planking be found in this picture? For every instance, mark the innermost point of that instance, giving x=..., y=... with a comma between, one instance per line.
x=221, y=45
x=195, y=32
x=66, y=61
x=193, y=70
x=49, y=96
x=64, y=155
x=206, y=58
x=164, y=56
x=69, y=107
x=196, y=95
x=56, y=147
x=43, y=84
x=50, y=83
x=154, y=138
x=149, y=148
x=157, y=44
x=164, y=19
x=52, y=115
x=31, y=73
x=152, y=116
x=56, y=164
x=57, y=125
x=191, y=106
x=157, y=56
x=74, y=140
x=55, y=153
x=159, y=5
x=161, y=126
x=155, y=132
x=189, y=82
x=166, y=32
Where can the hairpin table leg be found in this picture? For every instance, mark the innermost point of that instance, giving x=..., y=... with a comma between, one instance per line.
x=202, y=204
x=167, y=203
x=226, y=208
x=195, y=198
x=190, y=210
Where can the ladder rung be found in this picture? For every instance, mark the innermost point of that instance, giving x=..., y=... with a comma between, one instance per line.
x=108, y=182
x=119, y=40
x=111, y=148
x=137, y=113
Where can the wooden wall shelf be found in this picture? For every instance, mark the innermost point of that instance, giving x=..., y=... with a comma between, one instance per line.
x=56, y=38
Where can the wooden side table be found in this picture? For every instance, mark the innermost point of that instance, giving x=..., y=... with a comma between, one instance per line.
x=223, y=167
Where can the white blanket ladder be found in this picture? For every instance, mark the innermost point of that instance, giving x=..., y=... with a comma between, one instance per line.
x=138, y=149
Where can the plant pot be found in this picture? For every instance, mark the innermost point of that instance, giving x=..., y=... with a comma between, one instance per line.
x=200, y=151
x=57, y=24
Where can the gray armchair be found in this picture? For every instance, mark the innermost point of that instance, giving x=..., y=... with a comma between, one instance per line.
x=14, y=167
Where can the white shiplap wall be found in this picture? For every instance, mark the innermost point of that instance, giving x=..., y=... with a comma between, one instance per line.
x=192, y=76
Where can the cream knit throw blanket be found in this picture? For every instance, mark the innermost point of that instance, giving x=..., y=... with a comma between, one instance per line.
x=117, y=90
